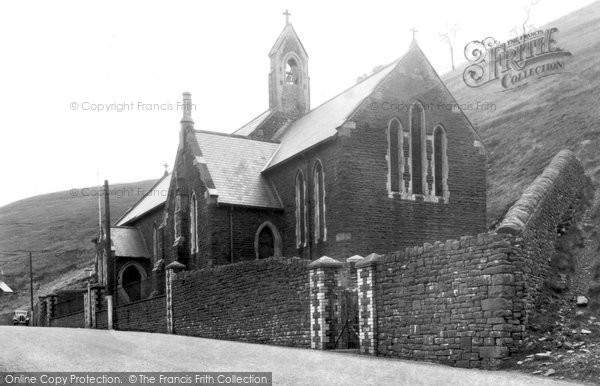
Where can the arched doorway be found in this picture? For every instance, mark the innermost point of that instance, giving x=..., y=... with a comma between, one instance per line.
x=267, y=241
x=131, y=279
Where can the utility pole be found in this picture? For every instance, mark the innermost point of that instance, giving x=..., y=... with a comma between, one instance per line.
x=31, y=289
x=109, y=257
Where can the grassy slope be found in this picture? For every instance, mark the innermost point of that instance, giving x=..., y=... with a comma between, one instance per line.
x=532, y=123
x=60, y=225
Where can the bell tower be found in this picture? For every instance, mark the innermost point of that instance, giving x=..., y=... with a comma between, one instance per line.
x=289, y=84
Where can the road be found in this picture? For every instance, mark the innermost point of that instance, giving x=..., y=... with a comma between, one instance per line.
x=63, y=349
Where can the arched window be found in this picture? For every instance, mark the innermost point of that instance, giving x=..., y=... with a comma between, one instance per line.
x=319, y=202
x=193, y=224
x=300, y=210
x=417, y=120
x=292, y=73
x=155, y=242
x=394, y=155
x=440, y=161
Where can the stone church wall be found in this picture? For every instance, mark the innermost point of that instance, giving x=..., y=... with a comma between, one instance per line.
x=379, y=223
x=284, y=176
x=259, y=301
x=146, y=226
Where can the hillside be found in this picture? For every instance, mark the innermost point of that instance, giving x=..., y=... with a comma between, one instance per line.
x=60, y=227
x=531, y=124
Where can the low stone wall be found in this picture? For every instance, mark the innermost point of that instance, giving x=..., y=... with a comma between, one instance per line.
x=102, y=319
x=147, y=315
x=261, y=301
x=74, y=320
x=452, y=302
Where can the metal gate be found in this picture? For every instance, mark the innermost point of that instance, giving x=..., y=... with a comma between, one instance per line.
x=347, y=336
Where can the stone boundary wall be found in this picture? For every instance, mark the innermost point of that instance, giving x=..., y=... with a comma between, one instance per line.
x=259, y=301
x=547, y=203
x=467, y=302
x=148, y=315
x=455, y=302
x=102, y=319
x=74, y=320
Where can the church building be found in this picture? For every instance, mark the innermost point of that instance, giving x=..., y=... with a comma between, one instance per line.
x=388, y=163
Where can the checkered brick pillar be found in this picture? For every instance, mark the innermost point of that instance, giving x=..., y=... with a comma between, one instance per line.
x=96, y=296
x=50, y=304
x=324, y=278
x=87, y=308
x=41, y=311
x=171, y=273
x=367, y=312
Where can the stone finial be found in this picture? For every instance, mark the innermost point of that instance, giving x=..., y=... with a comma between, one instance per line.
x=354, y=259
x=371, y=259
x=175, y=266
x=325, y=262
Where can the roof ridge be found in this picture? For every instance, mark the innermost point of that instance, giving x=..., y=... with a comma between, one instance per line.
x=346, y=90
x=394, y=64
x=233, y=135
x=451, y=95
x=142, y=198
x=253, y=120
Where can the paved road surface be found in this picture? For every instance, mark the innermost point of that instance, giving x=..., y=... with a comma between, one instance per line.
x=63, y=349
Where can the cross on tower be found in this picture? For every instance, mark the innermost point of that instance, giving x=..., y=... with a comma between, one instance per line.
x=287, y=16
x=414, y=31
x=166, y=165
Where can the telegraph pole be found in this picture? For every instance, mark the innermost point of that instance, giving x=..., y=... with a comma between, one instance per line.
x=31, y=288
x=109, y=257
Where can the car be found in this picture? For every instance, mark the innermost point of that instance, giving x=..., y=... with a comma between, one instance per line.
x=21, y=317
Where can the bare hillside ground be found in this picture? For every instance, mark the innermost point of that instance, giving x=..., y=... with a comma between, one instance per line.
x=528, y=125
x=59, y=227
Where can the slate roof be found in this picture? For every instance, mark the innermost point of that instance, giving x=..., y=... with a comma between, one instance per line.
x=249, y=127
x=234, y=164
x=128, y=242
x=153, y=198
x=321, y=123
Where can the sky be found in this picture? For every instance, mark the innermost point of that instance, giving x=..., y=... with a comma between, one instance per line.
x=92, y=90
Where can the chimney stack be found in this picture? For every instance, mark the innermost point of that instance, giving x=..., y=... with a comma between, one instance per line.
x=187, y=108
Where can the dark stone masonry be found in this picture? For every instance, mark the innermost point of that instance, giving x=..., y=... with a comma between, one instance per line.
x=260, y=301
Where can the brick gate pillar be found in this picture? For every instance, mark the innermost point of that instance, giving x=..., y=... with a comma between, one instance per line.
x=50, y=303
x=170, y=272
x=96, y=298
x=42, y=311
x=324, y=278
x=367, y=313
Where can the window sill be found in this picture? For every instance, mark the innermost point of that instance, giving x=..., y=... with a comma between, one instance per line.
x=418, y=197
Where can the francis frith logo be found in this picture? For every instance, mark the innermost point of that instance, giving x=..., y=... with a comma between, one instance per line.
x=515, y=62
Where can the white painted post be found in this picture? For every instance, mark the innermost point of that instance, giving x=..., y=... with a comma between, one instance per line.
x=367, y=311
